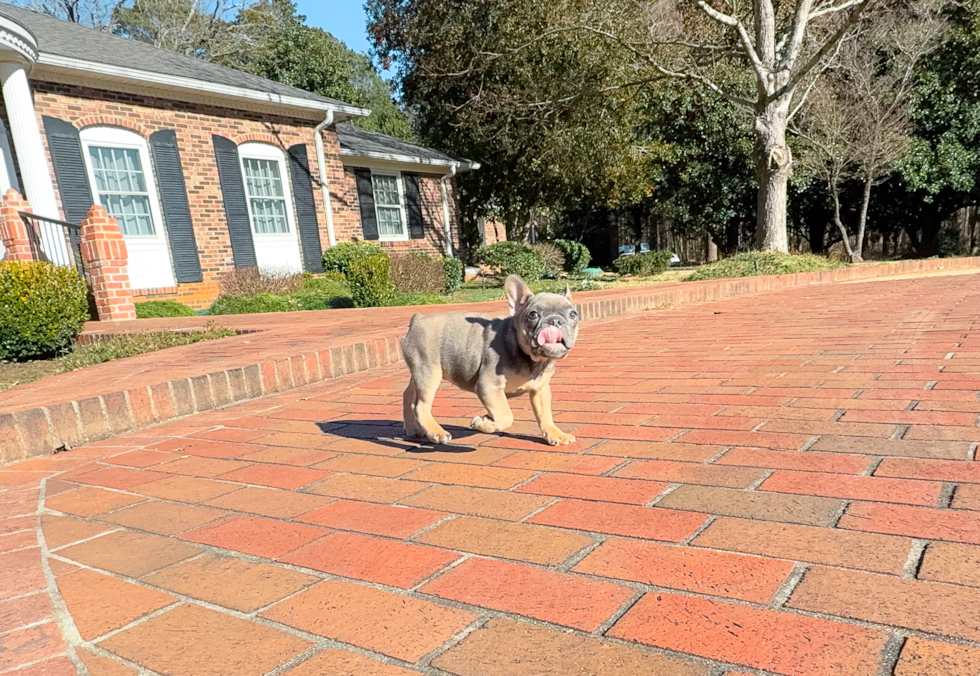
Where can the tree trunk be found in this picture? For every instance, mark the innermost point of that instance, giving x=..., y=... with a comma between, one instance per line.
x=862, y=222
x=711, y=249
x=835, y=196
x=773, y=167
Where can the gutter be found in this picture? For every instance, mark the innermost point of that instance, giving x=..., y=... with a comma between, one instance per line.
x=321, y=163
x=445, y=207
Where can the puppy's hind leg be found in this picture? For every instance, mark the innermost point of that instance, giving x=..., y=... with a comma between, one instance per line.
x=499, y=416
x=410, y=400
x=426, y=385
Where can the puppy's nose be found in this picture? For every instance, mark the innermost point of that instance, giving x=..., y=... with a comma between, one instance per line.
x=555, y=321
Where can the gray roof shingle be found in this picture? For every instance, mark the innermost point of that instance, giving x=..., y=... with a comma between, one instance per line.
x=358, y=142
x=65, y=39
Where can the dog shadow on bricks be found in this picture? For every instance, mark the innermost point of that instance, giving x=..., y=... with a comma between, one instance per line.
x=390, y=433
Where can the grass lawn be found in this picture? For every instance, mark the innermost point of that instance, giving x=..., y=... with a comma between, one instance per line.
x=493, y=289
x=119, y=347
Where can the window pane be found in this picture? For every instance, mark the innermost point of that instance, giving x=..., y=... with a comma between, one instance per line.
x=390, y=221
x=386, y=190
x=266, y=192
x=121, y=188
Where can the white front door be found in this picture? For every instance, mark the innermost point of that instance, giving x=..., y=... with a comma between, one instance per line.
x=270, y=208
x=122, y=181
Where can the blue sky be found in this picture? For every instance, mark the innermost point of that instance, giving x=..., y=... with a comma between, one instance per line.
x=344, y=18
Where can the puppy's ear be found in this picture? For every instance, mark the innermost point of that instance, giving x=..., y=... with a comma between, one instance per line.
x=568, y=292
x=517, y=292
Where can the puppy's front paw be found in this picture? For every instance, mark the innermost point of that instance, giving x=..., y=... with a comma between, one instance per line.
x=558, y=438
x=440, y=437
x=482, y=423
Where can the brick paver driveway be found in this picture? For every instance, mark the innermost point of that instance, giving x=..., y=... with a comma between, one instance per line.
x=780, y=484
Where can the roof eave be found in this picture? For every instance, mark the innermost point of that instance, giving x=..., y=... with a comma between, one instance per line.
x=461, y=165
x=133, y=75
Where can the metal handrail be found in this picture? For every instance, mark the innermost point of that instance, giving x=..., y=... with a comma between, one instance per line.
x=71, y=233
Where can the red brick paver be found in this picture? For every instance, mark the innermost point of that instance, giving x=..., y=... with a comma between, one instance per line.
x=781, y=484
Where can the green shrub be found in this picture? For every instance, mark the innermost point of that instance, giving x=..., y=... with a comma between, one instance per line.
x=643, y=264
x=551, y=256
x=43, y=307
x=324, y=293
x=259, y=303
x=370, y=281
x=512, y=258
x=755, y=263
x=454, y=271
x=153, y=309
x=340, y=256
x=577, y=255
x=417, y=272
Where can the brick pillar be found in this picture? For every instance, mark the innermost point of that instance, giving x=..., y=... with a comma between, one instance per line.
x=13, y=230
x=104, y=256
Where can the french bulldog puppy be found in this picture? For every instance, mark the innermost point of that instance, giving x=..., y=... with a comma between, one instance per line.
x=497, y=358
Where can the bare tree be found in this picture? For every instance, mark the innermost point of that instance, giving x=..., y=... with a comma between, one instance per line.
x=211, y=29
x=91, y=13
x=856, y=124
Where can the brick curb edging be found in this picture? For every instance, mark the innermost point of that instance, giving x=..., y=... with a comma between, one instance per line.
x=43, y=430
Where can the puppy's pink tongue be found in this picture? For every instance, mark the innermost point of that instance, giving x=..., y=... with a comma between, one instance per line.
x=549, y=335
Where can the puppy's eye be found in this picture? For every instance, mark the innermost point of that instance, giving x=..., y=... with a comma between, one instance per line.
x=573, y=315
x=532, y=315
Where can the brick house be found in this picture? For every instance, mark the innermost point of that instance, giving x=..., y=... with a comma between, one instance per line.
x=204, y=168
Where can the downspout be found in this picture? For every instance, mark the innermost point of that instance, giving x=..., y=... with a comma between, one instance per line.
x=445, y=207
x=321, y=162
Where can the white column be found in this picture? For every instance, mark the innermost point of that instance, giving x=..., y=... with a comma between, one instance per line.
x=31, y=158
x=26, y=135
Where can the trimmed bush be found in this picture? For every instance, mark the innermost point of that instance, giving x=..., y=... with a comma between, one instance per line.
x=369, y=279
x=339, y=257
x=551, y=256
x=417, y=272
x=756, y=263
x=43, y=307
x=577, y=255
x=643, y=264
x=512, y=258
x=153, y=309
x=247, y=282
x=454, y=271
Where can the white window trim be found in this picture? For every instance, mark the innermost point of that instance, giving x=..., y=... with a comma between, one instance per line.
x=117, y=137
x=402, y=207
x=264, y=151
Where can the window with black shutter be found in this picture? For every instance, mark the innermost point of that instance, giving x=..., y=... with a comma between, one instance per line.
x=309, y=228
x=69, y=168
x=413, y=199
x=365, y=196
x=233, y=194
x=176, y=210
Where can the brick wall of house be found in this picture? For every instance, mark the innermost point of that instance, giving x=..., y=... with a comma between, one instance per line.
x=194, y=125
x=347, y=218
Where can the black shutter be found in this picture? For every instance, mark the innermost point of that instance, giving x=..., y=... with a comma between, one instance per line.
x=69, y=168
x=309, y=229
x=176, y=211
x=236, y=208
x=8, y=158
x=365, y=195
x=413, y=197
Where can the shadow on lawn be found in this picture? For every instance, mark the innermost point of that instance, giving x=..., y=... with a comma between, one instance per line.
x=391, y=434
